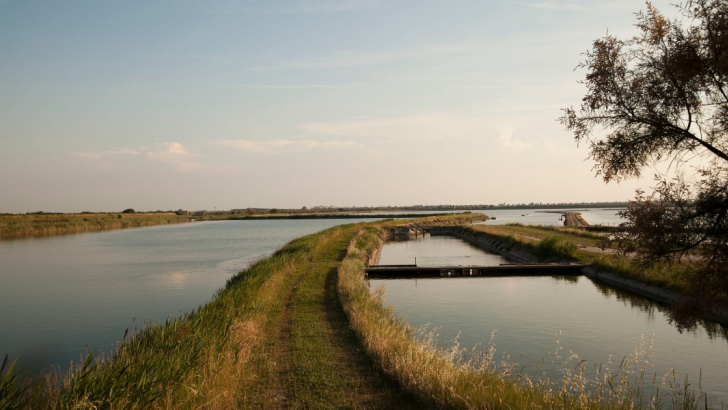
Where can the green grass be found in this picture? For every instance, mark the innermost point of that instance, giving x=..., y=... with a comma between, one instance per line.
x=572, y=235
x=556, y=243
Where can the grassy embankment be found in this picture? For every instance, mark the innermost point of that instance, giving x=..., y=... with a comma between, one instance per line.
x=48, y=224
x=549, y=242
x=277, y=336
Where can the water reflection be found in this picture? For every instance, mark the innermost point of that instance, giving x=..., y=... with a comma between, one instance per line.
x=651, y=309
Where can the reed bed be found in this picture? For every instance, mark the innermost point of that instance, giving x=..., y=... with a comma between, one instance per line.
x=49, y=224
x=451, y=377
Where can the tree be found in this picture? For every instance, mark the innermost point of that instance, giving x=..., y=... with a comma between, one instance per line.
x=662, y=97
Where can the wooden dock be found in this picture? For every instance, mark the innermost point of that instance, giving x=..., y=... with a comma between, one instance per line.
x=506, y=269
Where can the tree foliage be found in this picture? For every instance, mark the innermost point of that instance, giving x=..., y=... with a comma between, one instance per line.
x=662, y=97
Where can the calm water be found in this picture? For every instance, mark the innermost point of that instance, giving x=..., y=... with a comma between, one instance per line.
x=59, y=293
x=540, y=217
x=595, y=321
x=595, y=216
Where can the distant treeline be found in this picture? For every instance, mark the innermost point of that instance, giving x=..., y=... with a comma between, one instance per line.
x=334, y=209
x=479, y=207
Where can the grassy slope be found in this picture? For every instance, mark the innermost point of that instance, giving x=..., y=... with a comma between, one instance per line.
x=531, y=237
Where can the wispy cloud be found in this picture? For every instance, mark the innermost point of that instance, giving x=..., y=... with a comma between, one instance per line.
x=577, y=6
x=416, y=127
x=99, y=155
x=553, y=5
x=293, y=86
x=174, y=154
x=343, y=60
x=508, y=141
x=283, y=144
x=282, y=7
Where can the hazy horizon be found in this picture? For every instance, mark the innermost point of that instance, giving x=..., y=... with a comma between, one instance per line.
x=235, y=104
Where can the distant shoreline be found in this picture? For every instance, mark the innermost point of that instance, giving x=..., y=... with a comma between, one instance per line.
x=36, y=225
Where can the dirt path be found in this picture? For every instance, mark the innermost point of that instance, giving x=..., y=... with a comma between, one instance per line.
x=312, y=358
x=574, y=219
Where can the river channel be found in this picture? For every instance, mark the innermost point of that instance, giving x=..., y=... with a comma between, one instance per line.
x=528, y=318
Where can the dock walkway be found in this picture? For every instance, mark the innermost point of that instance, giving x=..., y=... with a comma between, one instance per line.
x=505, y=269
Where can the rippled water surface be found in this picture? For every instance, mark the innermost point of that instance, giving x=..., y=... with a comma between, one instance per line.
x=526, y=313
x=59, y=293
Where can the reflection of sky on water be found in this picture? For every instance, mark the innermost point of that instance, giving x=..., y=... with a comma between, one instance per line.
x=596, y=320
x=178, y=279
x=541, y=217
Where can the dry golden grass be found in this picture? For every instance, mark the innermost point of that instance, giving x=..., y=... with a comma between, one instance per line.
x=50, y=224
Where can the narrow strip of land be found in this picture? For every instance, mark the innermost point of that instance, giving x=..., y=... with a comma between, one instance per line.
x=312, y=359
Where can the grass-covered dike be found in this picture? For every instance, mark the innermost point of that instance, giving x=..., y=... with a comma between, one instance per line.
x=302, y=329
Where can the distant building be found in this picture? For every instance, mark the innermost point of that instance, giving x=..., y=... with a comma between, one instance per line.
x=200, y=213
x=182, y=212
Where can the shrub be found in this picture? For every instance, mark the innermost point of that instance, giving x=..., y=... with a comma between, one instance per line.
x=554, y=246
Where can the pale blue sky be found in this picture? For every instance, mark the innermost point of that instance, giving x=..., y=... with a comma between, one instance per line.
x=106, y=105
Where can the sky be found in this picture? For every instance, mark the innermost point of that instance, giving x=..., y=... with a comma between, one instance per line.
x=222, y=104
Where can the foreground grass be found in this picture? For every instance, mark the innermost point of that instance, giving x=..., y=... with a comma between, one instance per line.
x=47, y=224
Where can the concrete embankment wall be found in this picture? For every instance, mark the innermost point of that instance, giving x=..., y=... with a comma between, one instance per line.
x=523, y=255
